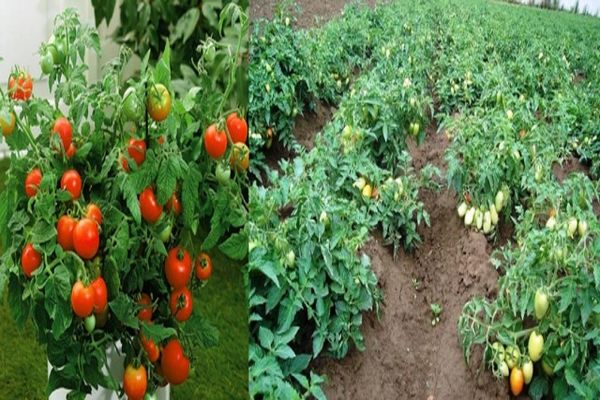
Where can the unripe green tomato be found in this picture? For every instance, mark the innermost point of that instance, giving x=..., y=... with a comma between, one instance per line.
x=222, y=173
x=165, y=234
x=535, y=346
x=290, y=258
x=90, y=323
x=527, y=371
x=540, y=304
x=133, y=109
x=512, y=356
x=210, y=53
x=47, y=63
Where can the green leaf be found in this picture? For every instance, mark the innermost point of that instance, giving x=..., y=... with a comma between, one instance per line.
x=186, y=25
x=42, y=232
x=201, y=332
x=236, y=247
x=162, y=73
x=124, y=309
x=157, y=332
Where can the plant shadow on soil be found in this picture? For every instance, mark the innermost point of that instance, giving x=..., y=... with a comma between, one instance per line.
x=219, y=373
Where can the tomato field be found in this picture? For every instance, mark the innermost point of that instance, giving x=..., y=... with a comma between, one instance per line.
x=434, y=232
x=115, y=210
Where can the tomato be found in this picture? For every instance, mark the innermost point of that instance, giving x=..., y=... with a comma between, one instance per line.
x=102, y=318
x=535, y=346
x=90, y=323
x=152, y=350
x=32, y=182
x=174, y=205
x=165, y=234
x=223, y=173
x=158, y=102
x=527, y=371
x=30, y=260
x=20, y=85
x=215, y=142
x=181, y=304
x=512, y=356
x=203, y=267
x=149, y=206
x=86, y=238
x=47, y=63
x=145, y=313
x=7, y=122
x=175, y=365
x=133, y=109
x=240, y=157
x=71, y=182
x=64, y=129
x=100, y=294
x=178, y=267
x=503, y=368
x=93, y=212
x=238, y=128
x=498, y=351
x=65, y=227
x=548, y=364
x=82, y=299
x=71, y=151
x=270, y=135
x=137, y=151
x=135, y=382
x=540, y=304
x=516, y=381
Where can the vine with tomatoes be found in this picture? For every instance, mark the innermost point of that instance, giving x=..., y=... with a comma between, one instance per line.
x=116, y=195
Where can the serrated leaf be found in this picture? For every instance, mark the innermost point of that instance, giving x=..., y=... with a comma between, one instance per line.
x=236, y=246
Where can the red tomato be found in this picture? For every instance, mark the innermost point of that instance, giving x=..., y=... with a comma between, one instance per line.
x=149, y=206
x=137, y=151
x=30, y=260
x=92, y=211
x=158, y=102
x=135, y=382
x=215, y=142
x=178, y=267
x=64, y=129
x=65, y=227
x=72, y=151
x=82, y=300
x=174, y=364
x=238, y=128
x=150, y=347
x=181, y=304
x=100, y=294
x=32, y=182
x=174, y=205
x=145, y=313
x=86, y=238
x=203, y=267
x=20, y=85
x=516, y=381
x=71, y=182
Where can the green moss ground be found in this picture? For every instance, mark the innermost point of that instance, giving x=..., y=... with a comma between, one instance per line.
x=219, y=373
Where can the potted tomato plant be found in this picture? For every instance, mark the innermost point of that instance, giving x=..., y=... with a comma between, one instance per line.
x=113, y=201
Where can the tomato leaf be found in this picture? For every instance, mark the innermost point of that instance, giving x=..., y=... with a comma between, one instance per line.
x=123, y=308
x=236, y=246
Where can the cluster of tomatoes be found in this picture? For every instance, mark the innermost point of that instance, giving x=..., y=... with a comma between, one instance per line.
x=215, y=142
x=20, y=88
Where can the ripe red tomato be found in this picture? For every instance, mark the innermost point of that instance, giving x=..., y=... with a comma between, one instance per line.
x=65, y=227
x=64, y=129
x=178, y=267
x=174, y=364
x=86, y=238
x=240, y=157
x=71, y=182
x=32, y=182
x=20, y=85
x=181, y=304
x=100, y=294
x=137, y=151
x=203, y=267
x=145, y=313
x=92, y=211
x=215, y=142
x=150, y=347
x=238, y=128
x=149, y=206
x=30, y=260
x=135, y=382
x=82, y=300
x=71, y=151
x=174, y=205
x=7, y=122
x=158, y=102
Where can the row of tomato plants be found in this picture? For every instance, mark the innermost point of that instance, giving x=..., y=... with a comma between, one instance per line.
x=114, y=196
x=308, y=279
x=507, y=131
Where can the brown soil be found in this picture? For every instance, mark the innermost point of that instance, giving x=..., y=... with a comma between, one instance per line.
x=572, y=164
x=312, y=12
x=312, y=122
x=406, y=357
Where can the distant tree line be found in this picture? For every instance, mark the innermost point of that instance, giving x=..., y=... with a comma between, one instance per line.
x=555, y=5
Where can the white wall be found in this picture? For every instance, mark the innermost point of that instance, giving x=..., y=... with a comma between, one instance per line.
x=25, y=24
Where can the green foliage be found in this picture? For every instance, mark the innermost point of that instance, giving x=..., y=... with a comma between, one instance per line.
x=131, y=255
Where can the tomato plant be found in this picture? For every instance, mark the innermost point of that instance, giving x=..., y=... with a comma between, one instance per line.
x=82, y=236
